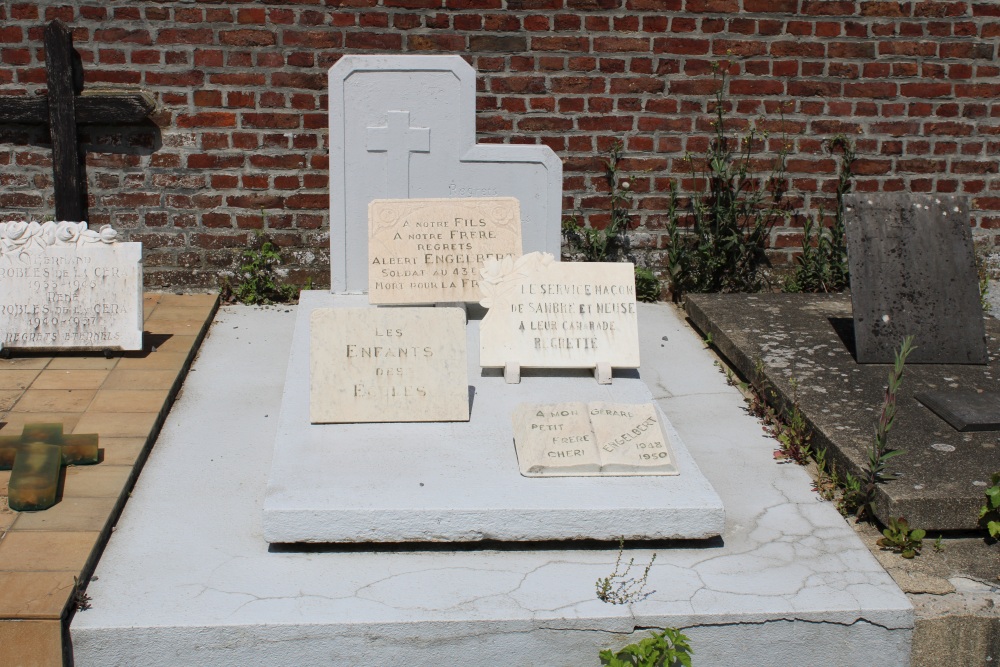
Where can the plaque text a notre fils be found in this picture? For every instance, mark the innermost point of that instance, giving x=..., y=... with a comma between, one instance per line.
x=432, y=250
x=388, y=365
x=549, y=314
x=66, y=287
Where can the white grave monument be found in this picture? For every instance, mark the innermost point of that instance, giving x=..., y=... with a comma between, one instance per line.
x=405, y=127
x=66, y=287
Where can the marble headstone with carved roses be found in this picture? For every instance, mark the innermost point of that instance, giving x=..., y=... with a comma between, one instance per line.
x=66, y=287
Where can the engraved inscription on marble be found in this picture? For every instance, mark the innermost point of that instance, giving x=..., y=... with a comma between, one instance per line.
x=432, y=250
x=549, y=314
x=66, y=287
x=388, y=365
x=590, y=439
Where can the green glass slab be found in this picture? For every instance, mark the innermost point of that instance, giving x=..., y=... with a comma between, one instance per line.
x=35, y=477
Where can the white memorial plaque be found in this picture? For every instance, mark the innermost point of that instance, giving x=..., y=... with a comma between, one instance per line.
x=586, y=440
x=404, y=126
x=388, y=365
x=66, y=287
x=549, y=314
x=432, y=250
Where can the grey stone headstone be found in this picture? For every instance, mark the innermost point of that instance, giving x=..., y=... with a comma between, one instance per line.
x=913, y=272
x=965, y=410
x=404, y=127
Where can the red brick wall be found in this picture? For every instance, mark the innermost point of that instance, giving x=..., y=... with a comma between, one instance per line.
x=242, y=121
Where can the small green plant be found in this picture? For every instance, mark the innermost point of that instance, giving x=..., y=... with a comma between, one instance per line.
x=793, y=432
x=879, y=453
x=938, y=546
x=81, y=601
x=731, y=219
x=619, y=588
x=665, y=649
x=982, y=257
x=900, y=538
x=611, y=244
x=257, y=282
x=822, y=266
x=989, y=514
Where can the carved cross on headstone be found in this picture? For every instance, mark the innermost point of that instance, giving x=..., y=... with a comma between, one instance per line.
x=35, y=457
x=398, y=139
x=63, y=109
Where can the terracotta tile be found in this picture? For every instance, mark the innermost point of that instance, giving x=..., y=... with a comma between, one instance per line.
x=31, y=643
x=117, y=425
x=175, y=343
x=70, y=513
x=205, y=302
x=51, y=400
x=4, y=479
x=154, y=361
x=46, y=550
x=8, y=517
x=35, y=595
x=131, y=380
x=82, y=363
x=137, y=400
x=17, y=379
x=24, y=363
x=186, y=328
x=96, y=481
x=15, y=421
x=70, y=379
x=121, y=451
x=8, y=397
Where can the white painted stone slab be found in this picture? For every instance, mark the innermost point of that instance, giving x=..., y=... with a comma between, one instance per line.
x=405, y=126
x=547, y=314
x=432, y=250
x=596, y=439
x=459, y=481
x=65, y=287
x=789, y=583
x=387, y=365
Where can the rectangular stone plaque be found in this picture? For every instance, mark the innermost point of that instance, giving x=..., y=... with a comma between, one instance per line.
x=590, y=439
x=388, y=365
x=549, y=314
x=66, y=287
x=432, y=250
x=913, y=272
x=965, y=410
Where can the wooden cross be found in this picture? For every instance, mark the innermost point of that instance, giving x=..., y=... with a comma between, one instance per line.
x=63, y=109
x=34, y=459
x=398, y=140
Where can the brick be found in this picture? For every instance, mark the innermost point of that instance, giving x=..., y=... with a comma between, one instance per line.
x=247, y=37
x=616, y=44
x=313, y=39
x=184, y=36
x=927, y=90
x=681, y=46
x=637, y=85
x=207, y=119
x=498, y=43
x=368, y=40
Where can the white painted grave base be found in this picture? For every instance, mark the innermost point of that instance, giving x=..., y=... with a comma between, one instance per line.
x=441, y=482
x=188, y=579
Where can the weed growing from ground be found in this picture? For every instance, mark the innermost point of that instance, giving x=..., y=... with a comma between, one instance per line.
x=257, y=281
x=989, y=514
x=664, y=649
x=619, y=588
x=900, y=538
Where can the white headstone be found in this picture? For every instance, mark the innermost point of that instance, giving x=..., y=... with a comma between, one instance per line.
x=387, y=365
x=595, y=439
x=66, y=287
x=432, y=250
x=405, y=126
x=548, y=314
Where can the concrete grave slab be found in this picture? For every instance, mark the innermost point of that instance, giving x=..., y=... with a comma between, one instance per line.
x=66, y=287
x=387, y=365
x=789, y=583
x=808, y=338
x=404, y=127
x=913, y=273
x=432, y=250
x=968, y=410
x=441, y=482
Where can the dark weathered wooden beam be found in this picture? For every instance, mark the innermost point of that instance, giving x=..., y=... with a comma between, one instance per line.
x=67, y=166
x=99, y=108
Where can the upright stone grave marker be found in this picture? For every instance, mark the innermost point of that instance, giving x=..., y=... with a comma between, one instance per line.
x=387, y=365
x=432, y=250
x=913, y=272
x=405, y=127
x=548, y=314
x=66, y=287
